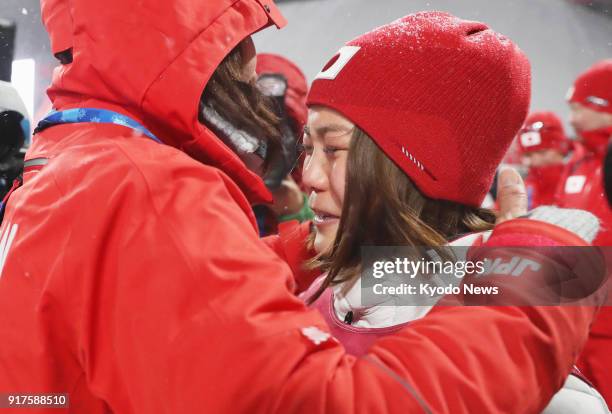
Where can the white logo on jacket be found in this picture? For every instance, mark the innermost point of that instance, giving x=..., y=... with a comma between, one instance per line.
x=6, y=240
x=316, y=335
x=574, y=184
x=515, y=267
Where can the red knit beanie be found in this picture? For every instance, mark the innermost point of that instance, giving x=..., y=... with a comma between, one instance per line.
x=543, y=130
x=441, y=96
x=593, y=88
x=297, y=87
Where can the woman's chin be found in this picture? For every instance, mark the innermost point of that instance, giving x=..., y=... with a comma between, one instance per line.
x=324, y=239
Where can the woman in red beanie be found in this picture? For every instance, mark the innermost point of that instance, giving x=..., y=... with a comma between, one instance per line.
x=406, y=128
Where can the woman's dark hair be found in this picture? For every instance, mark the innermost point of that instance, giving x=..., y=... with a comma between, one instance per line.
x=241, y=103
x=382, y=207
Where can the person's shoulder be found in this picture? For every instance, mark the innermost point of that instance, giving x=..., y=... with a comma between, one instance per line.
x=136, y=165
x=154, y=159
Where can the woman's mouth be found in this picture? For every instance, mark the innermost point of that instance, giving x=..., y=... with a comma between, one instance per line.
x=322, y=218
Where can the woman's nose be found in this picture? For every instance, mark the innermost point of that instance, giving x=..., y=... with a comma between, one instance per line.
x=314, y=174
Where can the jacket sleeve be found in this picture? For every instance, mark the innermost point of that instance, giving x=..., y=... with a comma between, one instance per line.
x=182, y=308
x=291, y=244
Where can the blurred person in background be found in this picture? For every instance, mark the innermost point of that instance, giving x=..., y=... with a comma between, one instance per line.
x=282, y=80
x=608, y=174
x=590, y=101
x=543, y=145
x=14, y=136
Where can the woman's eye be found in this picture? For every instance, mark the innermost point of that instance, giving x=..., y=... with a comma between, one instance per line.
x=304, y=148
x=331, y=150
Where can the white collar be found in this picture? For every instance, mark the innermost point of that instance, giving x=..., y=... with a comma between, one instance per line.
x=384, y=314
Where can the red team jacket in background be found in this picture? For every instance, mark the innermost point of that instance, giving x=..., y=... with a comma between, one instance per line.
x=541, y=184
x=582, y=188
x=135, y=281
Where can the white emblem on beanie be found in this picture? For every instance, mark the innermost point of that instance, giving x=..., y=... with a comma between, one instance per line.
x=345, y=54
x=597, y=101
x=531, y=138
x=412, y=158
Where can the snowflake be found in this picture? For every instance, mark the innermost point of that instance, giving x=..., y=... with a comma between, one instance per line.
x=316, y=335
x=119, y=121
x=66, y=116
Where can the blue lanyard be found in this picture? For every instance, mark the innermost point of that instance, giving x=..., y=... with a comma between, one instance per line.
x=80, y=115
x=98, y=116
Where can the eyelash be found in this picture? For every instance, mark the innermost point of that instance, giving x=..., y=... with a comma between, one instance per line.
x=301, y=148
x=330, y=150
x=308, y=149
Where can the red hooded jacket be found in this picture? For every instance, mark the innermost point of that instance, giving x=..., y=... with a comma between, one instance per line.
x=541, y=184
x=582, y=182
x=132, y=276
x=297, y=87
x=583, y=188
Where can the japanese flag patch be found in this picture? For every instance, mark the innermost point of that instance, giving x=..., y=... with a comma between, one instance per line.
x=338, y=62
x=531, y=139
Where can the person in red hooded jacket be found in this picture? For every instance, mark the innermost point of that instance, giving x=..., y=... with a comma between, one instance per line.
x=543, y=146
x=590, y=101
x=269, y=64
x=132, y=276
x=281, y=79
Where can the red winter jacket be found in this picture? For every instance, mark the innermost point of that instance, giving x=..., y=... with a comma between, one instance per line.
x=583, y=188
x=132, y=276
x=541, y=184
x=297, y=86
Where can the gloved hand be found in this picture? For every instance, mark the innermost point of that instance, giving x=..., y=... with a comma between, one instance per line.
x=543, y=258
x=579, y=222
